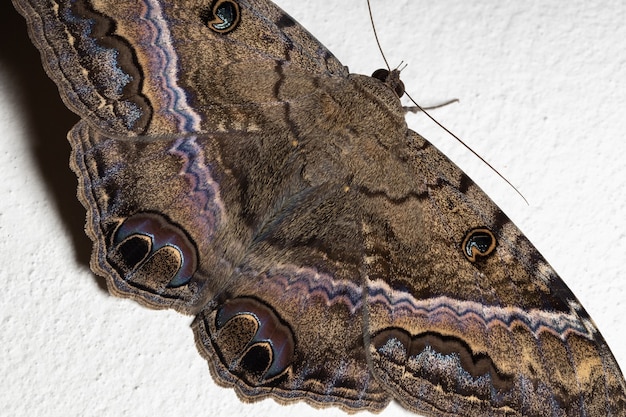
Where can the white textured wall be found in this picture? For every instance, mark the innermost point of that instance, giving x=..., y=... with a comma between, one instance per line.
x=542, y=86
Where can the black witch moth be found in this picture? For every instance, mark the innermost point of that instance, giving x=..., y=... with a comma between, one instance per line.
x=234, y=170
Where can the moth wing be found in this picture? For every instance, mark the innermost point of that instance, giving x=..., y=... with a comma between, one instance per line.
x=464, y=316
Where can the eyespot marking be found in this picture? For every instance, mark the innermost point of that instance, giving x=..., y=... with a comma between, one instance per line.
x=148, y=248
x=253, y=341
x=478, y=242
x=223, y=17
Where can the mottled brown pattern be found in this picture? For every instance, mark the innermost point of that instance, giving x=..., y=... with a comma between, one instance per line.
x=235, y=170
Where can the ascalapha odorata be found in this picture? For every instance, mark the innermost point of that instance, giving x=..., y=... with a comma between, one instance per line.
x=233, y=169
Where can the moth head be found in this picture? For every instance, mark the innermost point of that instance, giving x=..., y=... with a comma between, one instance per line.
x=391, y=79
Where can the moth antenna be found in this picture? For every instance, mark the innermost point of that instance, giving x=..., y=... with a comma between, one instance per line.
x=423, y=110
x=415, y=109
x=380, y=48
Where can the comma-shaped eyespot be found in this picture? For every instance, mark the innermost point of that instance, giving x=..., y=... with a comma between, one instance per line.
x=152, y=253
x=223, y=16
x=478, y=242
x=252, y=340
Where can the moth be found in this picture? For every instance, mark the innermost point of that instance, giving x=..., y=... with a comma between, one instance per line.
x=234, y=170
